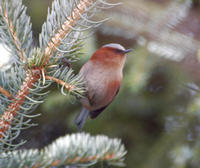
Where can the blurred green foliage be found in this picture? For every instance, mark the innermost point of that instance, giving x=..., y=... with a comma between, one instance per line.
x=155, y=114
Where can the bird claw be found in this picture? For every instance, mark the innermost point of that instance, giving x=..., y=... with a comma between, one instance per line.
x=66, y=62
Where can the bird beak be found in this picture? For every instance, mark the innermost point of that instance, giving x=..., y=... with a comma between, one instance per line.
x=127, y=51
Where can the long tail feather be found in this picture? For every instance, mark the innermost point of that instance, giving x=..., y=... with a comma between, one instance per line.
x=81, y=118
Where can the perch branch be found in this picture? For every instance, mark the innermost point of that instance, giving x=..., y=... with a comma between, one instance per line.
x=60, y=82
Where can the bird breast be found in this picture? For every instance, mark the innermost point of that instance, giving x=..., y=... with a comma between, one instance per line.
x=102, y=84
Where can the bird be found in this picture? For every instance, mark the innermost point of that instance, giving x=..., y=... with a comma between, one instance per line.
x=103, y=75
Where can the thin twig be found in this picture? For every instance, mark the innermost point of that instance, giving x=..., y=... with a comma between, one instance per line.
x=85, y=159
x=60, y=82
x=109, y=156
x=65, y=28
x=5, y=92
x=14, y=35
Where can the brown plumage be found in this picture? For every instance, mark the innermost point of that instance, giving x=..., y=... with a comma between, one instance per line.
x=103, y=75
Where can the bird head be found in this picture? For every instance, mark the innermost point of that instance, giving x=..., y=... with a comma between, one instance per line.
x=110, y=54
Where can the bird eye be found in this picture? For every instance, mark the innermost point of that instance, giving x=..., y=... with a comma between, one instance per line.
x=119, y=51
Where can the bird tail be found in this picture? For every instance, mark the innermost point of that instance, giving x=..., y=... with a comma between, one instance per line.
x=81, y=118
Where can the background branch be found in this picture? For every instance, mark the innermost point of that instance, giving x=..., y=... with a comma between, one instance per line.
x=76, y=149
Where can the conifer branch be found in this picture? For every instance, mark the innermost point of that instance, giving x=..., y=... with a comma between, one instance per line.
x=5, y=92
x=14, y=35
x=61, y=37
x=60, y=82
x=79, y=149
x=11, y=111
x=66, y=28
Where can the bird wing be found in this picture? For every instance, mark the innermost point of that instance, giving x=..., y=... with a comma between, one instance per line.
x=95, y=113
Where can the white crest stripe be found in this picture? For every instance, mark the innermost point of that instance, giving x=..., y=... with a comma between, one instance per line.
x=115, y=46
